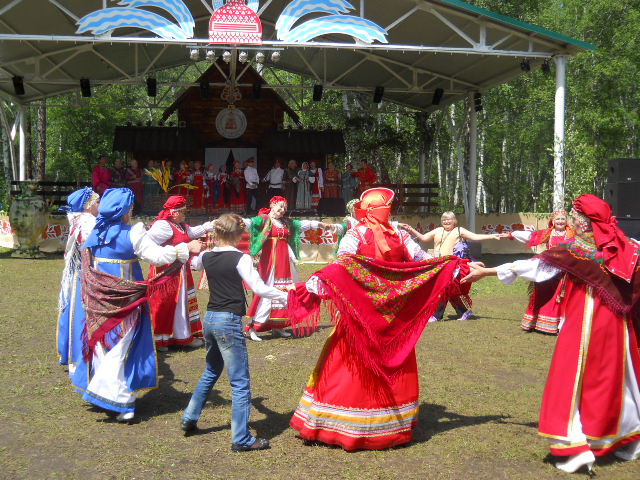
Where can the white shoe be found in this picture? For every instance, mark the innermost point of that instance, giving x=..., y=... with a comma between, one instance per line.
x=195, y=343
x=125, y=417
x=279, y=332
x=629, y=452
x=254, y=336
x=577, y=461
x=433, y=320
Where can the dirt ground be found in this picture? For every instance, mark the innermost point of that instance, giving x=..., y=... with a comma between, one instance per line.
x=481, y=384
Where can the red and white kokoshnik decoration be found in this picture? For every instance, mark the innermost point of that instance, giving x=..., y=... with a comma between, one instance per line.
x=235, y=23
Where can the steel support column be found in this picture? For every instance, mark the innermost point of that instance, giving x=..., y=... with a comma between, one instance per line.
x=23, y=142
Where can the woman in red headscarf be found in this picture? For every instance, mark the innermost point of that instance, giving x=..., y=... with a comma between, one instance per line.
x=278, y=242
x=363, y=392
x=544, y=310
x=591, y=402
x=174, y=308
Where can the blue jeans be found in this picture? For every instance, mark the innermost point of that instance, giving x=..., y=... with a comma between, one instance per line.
x=225, y=344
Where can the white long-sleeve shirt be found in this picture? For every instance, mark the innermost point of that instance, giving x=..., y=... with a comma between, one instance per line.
x=274, y=177
x=251, y=177
x=149, y=251
x=532, y=269
x=161, y=231
x=248, y=273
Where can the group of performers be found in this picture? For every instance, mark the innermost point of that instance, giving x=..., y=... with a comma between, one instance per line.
x=381, y=291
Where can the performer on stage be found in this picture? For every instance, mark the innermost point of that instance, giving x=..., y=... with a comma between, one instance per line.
x=544, y=310
x=197, y=180
x=174, y=310
x=278, y=242
x=317, y=184
x=237, y=189
x=366, y=176
x=363, y=392
x=591, y=402
x=331, y=181
x=82, y=208
x=119, y=358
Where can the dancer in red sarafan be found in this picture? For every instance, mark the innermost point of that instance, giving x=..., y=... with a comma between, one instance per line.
x=197, y=180
x=382, y=289
x=591, y=402
x=174, y=308
x=544, y=310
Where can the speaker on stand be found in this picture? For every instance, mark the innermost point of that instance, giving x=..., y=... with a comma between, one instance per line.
x=623, y=193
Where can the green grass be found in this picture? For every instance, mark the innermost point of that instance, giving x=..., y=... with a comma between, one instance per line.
x=481, y=383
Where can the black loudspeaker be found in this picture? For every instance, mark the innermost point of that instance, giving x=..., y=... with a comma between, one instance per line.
x=624, y=199
x=332, y=207
x=630, y=227
x=623, y=170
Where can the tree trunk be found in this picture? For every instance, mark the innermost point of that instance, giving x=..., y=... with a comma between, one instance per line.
x=41, y=132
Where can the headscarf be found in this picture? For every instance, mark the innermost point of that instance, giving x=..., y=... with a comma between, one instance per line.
x=173, y=204
x=620, y=255
x=541, y=236
x=115, y=204
x=373, y=211
x=80, y=200
x=274, y=200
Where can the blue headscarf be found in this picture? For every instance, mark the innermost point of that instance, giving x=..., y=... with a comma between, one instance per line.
x=114, y=204
x=77, y=200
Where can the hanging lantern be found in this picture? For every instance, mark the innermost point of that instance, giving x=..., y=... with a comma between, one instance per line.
x=260, y=57
x=243, y=57
x=210, y=55
x=275, y=57
x=226, y=56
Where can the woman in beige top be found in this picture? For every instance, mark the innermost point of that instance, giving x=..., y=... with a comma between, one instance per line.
x=444, y=240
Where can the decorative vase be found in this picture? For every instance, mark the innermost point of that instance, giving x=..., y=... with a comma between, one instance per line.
x=28, y=219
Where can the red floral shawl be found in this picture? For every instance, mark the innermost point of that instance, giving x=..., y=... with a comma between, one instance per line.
x=380, y=307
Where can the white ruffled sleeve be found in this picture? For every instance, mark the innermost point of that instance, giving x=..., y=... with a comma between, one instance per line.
x=149, y=251
x=200, y=230
x=533, y=270
x=522, y=236
x=160, y=232
x=349, y=243
x=308, y=224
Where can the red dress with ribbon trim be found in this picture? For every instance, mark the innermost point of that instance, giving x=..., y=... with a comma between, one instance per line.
x=165, y=302
x=544, y=312
x=380, y=308
x=274, y=261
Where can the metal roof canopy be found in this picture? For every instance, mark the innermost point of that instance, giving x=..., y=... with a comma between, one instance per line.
x=432, y=44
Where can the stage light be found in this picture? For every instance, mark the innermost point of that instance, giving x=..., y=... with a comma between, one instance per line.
x=525, y=66
x=18, y=85
x=194, y=54
x=317, y=93
x=226, y=56
x=210, y=55
x=85, y=87
x=152, y=87
x=545, y=67
x=243, y=57
x=378, y=93
x=204, y=88
x=438, y=93
x=257, y=90
x=477, y=101
x=275, y=57
x=260, y=57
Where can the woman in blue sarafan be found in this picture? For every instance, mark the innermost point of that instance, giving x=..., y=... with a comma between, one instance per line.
x=81, y=208
x=122, y=361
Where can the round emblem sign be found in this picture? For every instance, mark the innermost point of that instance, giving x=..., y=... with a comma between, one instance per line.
x=231, y=123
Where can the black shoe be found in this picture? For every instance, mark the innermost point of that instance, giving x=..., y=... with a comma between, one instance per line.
x=259, y=444
x=189, y=426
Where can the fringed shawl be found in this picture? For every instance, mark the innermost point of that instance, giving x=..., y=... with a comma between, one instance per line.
x=380, y=307
x=109, y=300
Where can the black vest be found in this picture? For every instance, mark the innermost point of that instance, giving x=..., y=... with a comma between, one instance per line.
x=226, y=293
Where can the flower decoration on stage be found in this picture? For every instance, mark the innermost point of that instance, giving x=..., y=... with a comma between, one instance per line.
x=335, y=23
x=133, y=15
x=235, y=23
x=162, y=175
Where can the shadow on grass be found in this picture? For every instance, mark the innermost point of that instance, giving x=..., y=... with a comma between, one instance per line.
x=166, y=398
x=434, y=419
